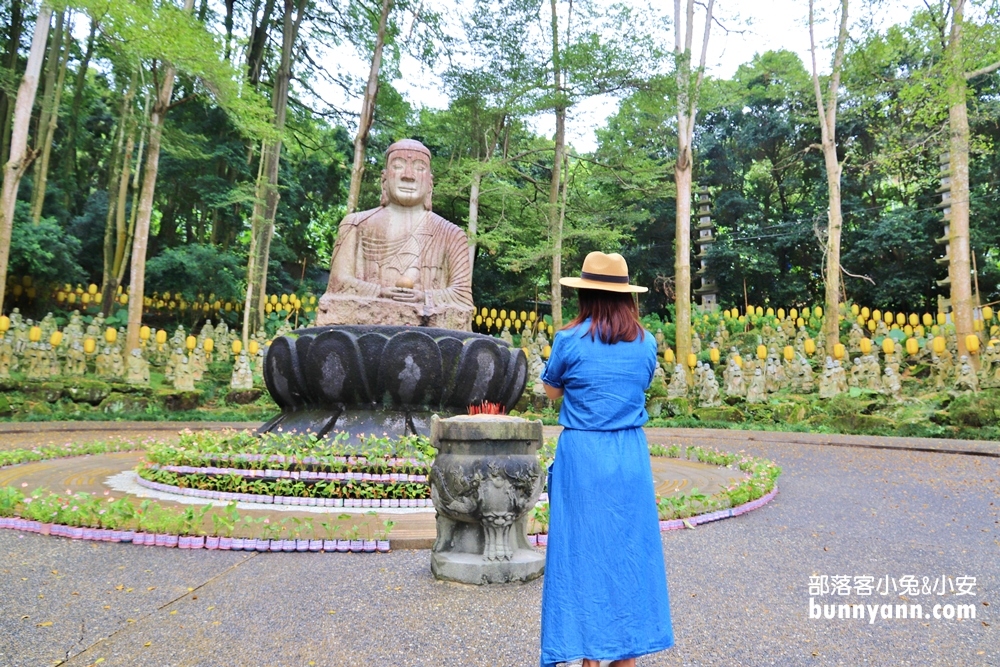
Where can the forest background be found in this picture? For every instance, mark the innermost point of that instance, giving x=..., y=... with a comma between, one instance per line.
x=257, y=155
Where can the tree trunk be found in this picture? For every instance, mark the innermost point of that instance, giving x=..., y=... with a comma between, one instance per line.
x=267, y=195
x=828, y=136
x=109, y=285
x=69, y=156
x=477, y=179
x=48, y=96
x=555, y=220
x=960, y=268
x=367, y=111
x=137, y=277
x=10, y=61
x=42, y=176
x=255, y=52
x=20, y=158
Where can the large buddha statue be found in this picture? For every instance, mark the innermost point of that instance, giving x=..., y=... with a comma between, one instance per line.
x=400, y=263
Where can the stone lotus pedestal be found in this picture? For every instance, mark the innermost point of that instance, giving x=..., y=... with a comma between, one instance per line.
x=485, y=480
x=385, y=379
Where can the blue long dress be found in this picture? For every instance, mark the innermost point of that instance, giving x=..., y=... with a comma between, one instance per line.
x=604, y=595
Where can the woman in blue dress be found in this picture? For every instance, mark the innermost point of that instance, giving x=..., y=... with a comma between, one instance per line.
x=604, y=595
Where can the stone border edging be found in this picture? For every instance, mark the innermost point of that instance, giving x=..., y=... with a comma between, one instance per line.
x=698, y=519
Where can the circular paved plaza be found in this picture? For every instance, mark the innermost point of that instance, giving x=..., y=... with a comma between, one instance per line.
x=740, y=588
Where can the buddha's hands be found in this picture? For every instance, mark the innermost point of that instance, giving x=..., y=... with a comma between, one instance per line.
x=402, y=294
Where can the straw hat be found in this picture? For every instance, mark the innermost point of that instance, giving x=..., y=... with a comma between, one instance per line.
x=603, y=272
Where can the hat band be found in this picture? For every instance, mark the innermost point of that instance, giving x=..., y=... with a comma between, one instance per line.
x=604, y=278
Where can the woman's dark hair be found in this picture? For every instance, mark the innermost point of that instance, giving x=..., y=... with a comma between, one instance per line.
x=614, y=316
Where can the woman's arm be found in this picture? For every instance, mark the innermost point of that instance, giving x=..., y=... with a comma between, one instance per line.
x=552, y=392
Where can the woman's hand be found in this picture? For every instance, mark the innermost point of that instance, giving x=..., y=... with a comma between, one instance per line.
x=552, y=392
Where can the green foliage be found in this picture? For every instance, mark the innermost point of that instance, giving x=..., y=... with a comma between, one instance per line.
x=45, y=251
x=196, y=268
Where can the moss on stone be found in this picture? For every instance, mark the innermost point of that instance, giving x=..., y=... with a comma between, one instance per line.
x=87, y=391
x=720, y=414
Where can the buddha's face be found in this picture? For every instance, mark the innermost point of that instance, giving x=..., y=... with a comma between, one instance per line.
x=407, y=178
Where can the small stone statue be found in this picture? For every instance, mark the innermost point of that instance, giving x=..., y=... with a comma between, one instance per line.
x=755, y=392
x=854, y=340
x=840, y=376
x=966, y=380
x=695, y=343
x=771, y=382
x=678, y=387
x=242, y=379
x=890, y=384
x=709, y=395
x=101, y=367
x=661, y=343
x=506, y=336
x=873, y=373
x=856, y=378
x=828, y=381
x=199, y=363
x=184, y=375
x=6, y=357
x=116, y=365
x=138, y=369
x=734, y=380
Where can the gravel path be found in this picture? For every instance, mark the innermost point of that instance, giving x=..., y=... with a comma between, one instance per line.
x=739, y=588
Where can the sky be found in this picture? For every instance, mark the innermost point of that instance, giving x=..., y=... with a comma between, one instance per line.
x=759, y=26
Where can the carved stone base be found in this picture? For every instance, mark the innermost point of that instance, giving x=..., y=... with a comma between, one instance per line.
x=465, y=568
x=485, y=480
x=350, y=309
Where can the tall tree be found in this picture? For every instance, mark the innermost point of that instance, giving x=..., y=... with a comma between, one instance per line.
x=689, y=82
x=368, y=108
x=137, y=276
x=266, y=201
x=10, y=59
x=48, y=132
x=828, y=132
x=20, y=158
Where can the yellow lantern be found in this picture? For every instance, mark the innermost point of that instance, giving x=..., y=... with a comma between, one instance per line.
x=71, y=298
x=532, y=316
x=810, y=346
x=253, y=347
x=987, y=313
x=908, y=330
x=888, y=345
x=759, y=311
x=4, y=324
x=479, y=320
x=26, y=281
x=928, y=320
x=493, y=313
x=89, y=345
x=861, y=321
x=876, y=314
x=935, y=330
x=111, y=335
x=190, y=343
x=522, y=316
x=85, y=298
x=854, y=309
x=18, y=290
x=284, y=299
x=144, y=333
x=668, y=356
x=972, y=344
x=762, y=352
x=268, y=308
x=939, y=344
x=799, y=322
x=35, y=334
x=781, y=313
x=866, y=345
x=551, y=330
x=273, y=299
x=517, y=325
x=912, y=346
x=713, y=354
x=489, y=323
x=60, y=296
x=55, y=338
x=818, y=311
x=865, y=313
x=92, y=289
x=919, y=331
x=913, y=320
x=503, y=313
x=692, y=360
x=793, y=314
x=888, y=317
x=872, y=324
x=506, y=324
x=977, y=325
x=229, y=306
x=546, y=351
x=789, y=353
x=770, y=312
x=123, y=299
x=839, y=351
x=237, y=346
x=209, y=345
x=942, y=319
x=739, y=360
x=900, y=319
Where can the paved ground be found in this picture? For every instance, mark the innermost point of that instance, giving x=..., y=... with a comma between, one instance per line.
x=739, y=588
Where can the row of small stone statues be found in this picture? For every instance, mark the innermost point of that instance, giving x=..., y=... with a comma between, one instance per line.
x=44, y=361
x=754, y=380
